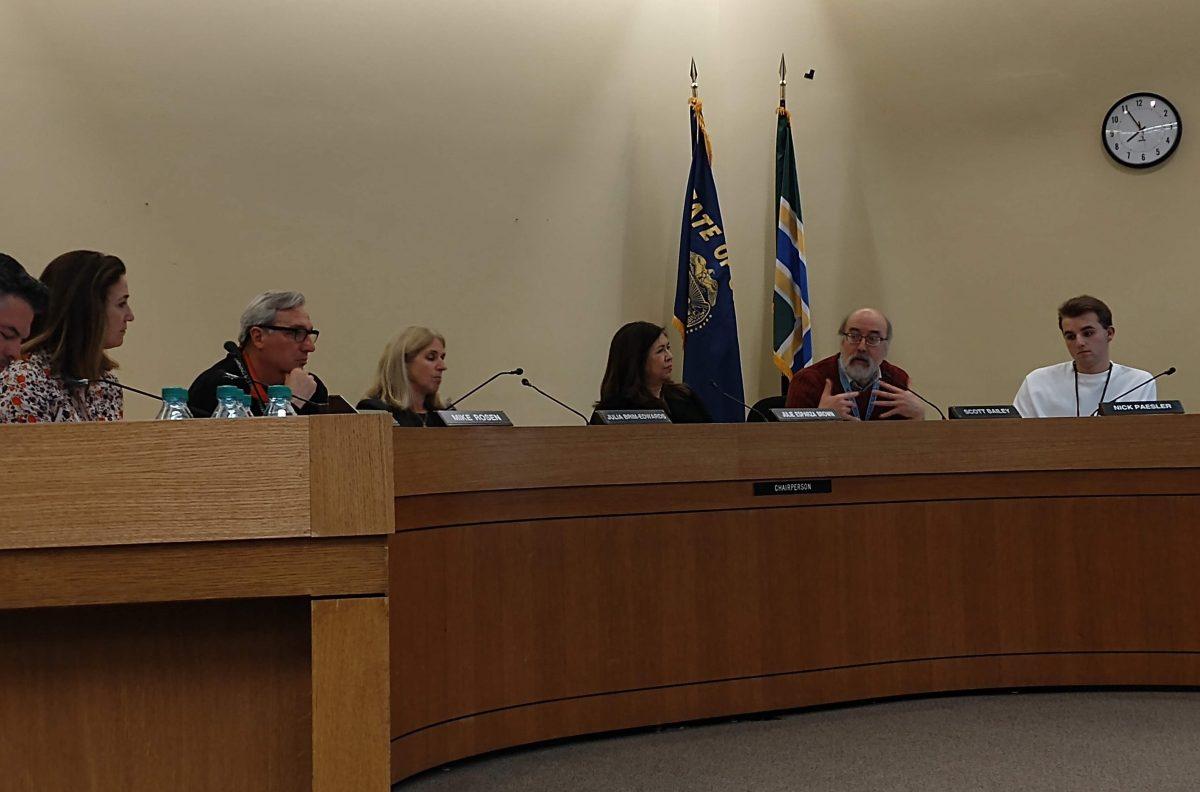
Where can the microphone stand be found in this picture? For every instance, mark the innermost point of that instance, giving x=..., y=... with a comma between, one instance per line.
x=1166, y=373
x=460, y=399
x=76, y=382
x=529, y=384
x=941, y=414
x=732, y=398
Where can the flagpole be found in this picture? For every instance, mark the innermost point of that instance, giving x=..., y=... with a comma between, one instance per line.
x=782, y=82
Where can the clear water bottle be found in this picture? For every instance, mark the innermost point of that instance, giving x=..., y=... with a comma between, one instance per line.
x=279, y=402
x=174, y=405
x=229, y=403
x=247, y=405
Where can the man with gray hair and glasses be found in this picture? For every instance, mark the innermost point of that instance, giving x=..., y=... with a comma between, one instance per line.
x=858, y=383
x=275, y=338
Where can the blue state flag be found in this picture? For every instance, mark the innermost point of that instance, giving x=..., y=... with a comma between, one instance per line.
x=704, y=313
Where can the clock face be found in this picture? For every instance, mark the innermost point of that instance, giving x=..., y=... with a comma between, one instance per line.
x=1141, y=130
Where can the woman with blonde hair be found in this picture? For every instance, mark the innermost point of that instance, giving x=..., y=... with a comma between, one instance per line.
x=408, y=377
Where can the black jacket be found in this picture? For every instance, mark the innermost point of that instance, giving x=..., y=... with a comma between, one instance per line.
x=680, y=402
x=403, y=417
x=202, y=395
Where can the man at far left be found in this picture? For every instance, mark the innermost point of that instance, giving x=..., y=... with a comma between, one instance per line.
x=22, y=297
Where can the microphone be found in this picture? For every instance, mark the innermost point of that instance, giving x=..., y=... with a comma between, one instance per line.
x=459, y=400
x=941, y=414
x=529, y=384
x=76, y=382
x=236, y=352
x=1166, y=373
x=733, y=398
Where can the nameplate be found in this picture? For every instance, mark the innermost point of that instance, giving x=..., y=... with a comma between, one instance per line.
x=794, y=487
x=473, y=418
x=792, y=414
x=1141, y=408
x=985, y=411
x=614, y=417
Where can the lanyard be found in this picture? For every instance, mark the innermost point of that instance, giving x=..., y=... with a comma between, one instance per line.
x=1102, y=393
x=256, y=390
x=846, y=388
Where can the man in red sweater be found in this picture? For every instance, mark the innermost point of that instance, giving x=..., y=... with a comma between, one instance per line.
x=858, y=384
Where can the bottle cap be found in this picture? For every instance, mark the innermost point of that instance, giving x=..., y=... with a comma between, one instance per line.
x=174, y=394
x=245, y=397
x=279, y=392
x=228, y=392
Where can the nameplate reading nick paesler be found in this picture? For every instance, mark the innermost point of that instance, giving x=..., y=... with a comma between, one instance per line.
x=794, y=487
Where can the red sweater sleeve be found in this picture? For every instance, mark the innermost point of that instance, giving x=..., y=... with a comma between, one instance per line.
x=806, y=386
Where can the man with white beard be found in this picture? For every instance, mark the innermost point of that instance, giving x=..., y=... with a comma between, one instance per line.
x=858, y=383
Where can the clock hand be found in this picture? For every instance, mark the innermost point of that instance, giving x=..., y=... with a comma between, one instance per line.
x=1144, y=130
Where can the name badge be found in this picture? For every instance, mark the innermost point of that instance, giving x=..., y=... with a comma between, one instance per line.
x=793, y=414
x=985, y=411
x=1141, y=408
x=473, y=418
x=794, y=487
x=614, y=417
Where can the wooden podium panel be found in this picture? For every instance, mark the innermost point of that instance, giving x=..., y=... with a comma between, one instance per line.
x=196, y=605
x=575, y=580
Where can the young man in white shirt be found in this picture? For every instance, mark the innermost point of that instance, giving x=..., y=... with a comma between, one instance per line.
x=1077, y=388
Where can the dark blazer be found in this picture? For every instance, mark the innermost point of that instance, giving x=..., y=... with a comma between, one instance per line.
x=403, y=417
x=202, y=395
x=680, y=402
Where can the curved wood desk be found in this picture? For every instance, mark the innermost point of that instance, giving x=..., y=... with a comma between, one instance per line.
x=548, y=582
x=195, y=605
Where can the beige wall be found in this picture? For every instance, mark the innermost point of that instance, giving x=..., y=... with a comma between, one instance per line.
x=512, y=174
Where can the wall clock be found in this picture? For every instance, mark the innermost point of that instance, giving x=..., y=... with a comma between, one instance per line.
x=1141, y=130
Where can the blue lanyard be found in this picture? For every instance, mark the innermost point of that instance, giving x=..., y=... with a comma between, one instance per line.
x=846, y=388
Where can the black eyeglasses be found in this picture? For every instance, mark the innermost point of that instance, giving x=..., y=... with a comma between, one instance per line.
x=297, y=334
x=855, y=338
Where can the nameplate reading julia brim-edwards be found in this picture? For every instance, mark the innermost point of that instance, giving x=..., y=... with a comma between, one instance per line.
x=985, y=411
x=614, y=417
x=1141, y=408
x=791, y=414
x=794, y=487
x=474, y=418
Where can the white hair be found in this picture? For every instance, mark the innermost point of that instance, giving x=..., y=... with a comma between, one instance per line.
x=262, y=310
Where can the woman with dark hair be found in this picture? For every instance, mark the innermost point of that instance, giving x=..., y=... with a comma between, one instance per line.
x=638, y=376
x=66, y=372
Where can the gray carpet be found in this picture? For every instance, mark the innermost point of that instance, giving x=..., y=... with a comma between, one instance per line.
x=1093, y=741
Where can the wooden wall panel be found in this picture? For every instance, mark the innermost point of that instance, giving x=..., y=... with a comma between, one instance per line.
x=418, y=512
x=54, y=577
x=569, y=717
x=351, y=467
x=143, y=698
x=350, y=701
x=141, y=482
x=560, y=456
x=517, y=617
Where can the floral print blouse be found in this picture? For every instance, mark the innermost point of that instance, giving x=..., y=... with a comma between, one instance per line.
x=29, y=393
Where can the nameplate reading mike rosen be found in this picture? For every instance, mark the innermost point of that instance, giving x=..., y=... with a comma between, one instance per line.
x=473, y=418
x=613, y=417
x=1141, y=408
x=794, y=487
x=792, y=414
x=985, y=411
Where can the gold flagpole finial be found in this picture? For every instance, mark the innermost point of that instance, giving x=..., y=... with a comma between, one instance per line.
x=782, y=81
x=695, y=85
